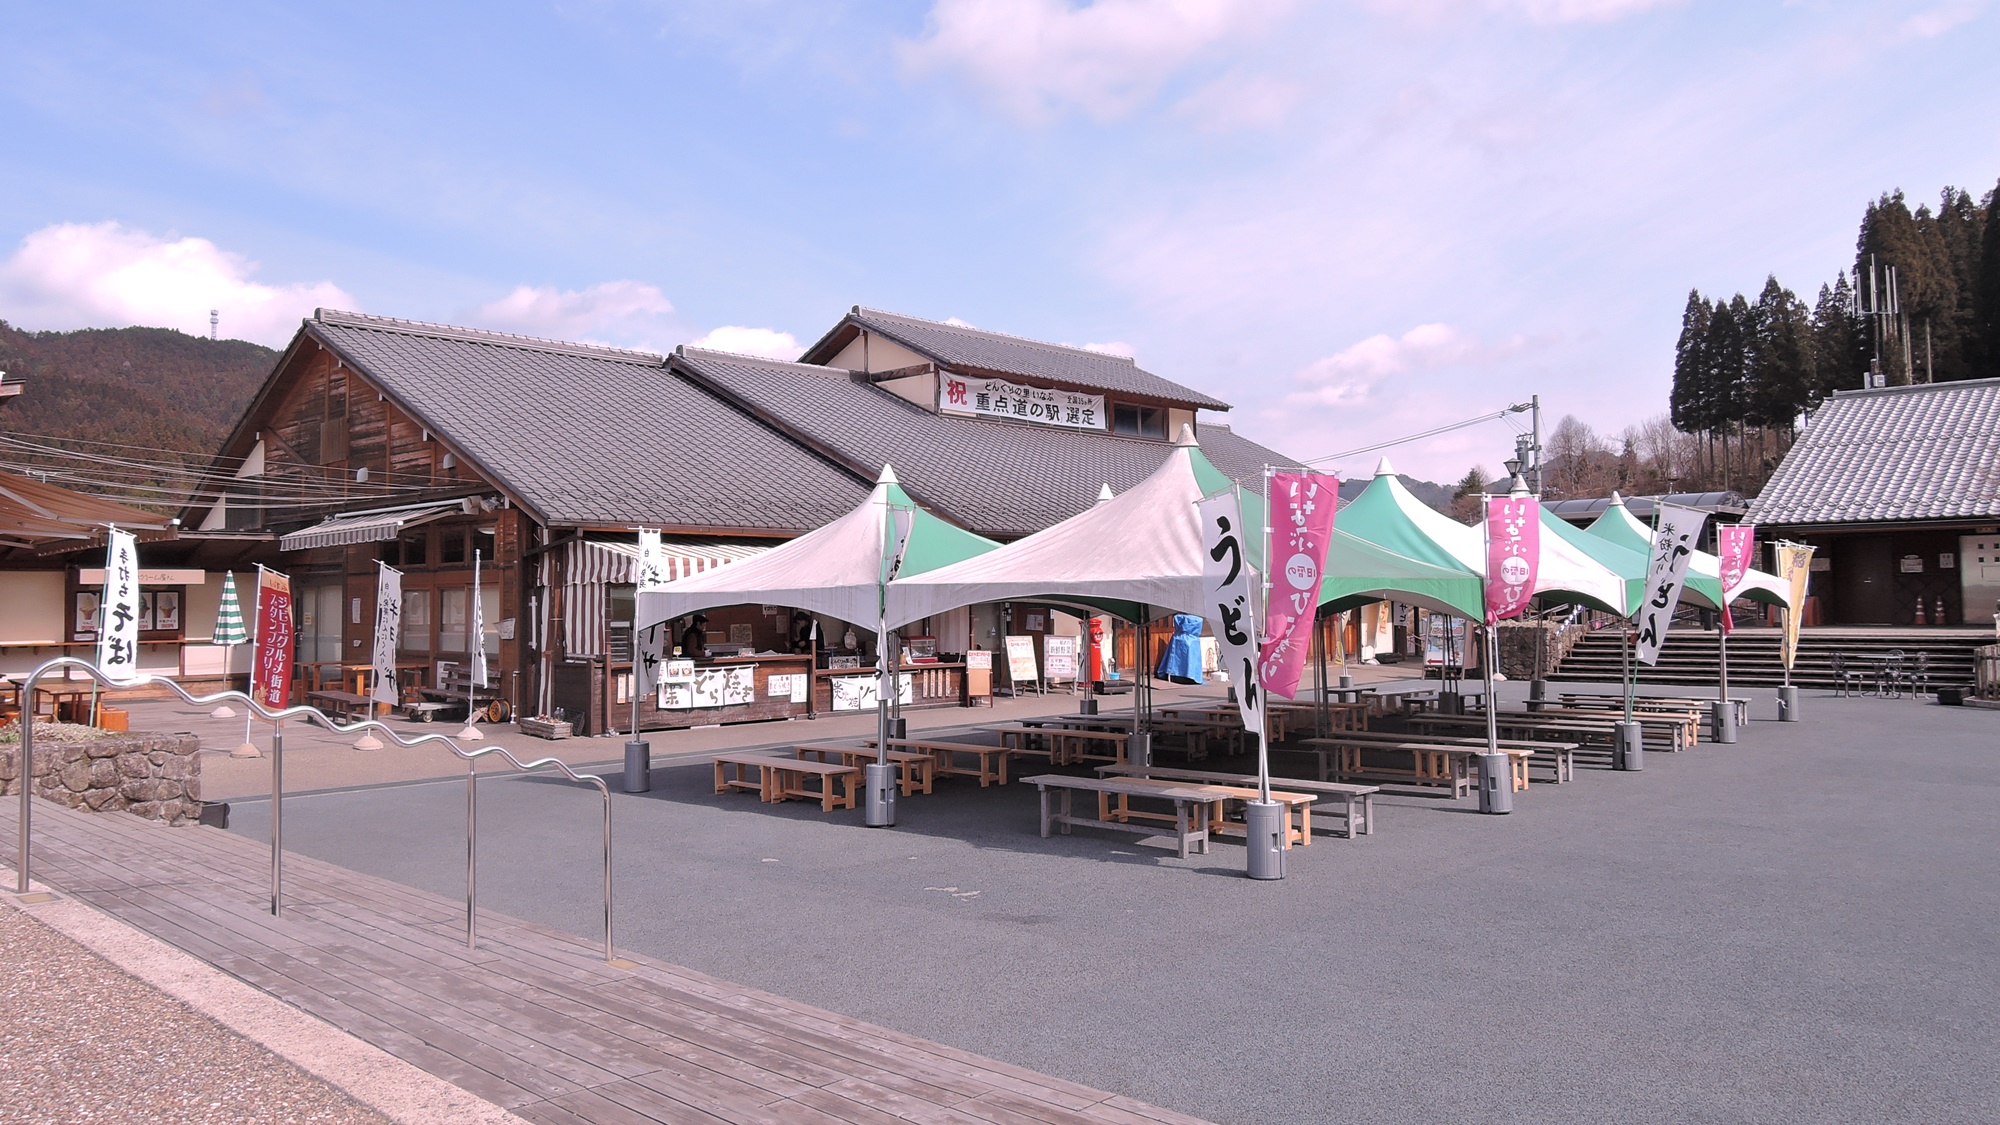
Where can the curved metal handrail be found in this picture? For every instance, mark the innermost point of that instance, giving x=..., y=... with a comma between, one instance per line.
x=317, y=717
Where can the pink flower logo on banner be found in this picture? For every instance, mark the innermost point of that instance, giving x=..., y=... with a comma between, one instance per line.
x=1736, y=544
x=1513, y=551
x=1301, y=515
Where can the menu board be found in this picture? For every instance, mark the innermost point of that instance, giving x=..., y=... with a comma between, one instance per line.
x=710, y=687
x=1021, y=659
x=1059, y=657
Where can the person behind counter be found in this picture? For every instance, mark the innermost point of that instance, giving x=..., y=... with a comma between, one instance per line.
x=694, y=640
x=805, y=632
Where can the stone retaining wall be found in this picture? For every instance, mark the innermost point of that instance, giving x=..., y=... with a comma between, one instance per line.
x=157, y=776
x=1518, y=649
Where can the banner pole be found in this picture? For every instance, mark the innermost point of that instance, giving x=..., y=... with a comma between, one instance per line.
x=1263, y=703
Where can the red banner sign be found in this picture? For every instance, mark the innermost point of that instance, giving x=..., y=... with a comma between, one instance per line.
x=271, y=671
x=1301, y=515
x=1736, y=544
x=1513, y=553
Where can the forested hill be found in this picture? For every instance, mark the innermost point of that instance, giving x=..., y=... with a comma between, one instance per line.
x=142, y=388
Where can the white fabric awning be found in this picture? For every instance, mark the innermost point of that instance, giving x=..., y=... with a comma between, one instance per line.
x=377, y=526
x=590, y=565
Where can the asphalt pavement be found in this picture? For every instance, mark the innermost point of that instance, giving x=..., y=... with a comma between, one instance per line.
x=1797, y=928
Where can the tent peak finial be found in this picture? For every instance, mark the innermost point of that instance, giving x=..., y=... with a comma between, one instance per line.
x=1617, y=501
x=1186, y=437
x=1383, y=468
x=1104, y=493
x=888, y=474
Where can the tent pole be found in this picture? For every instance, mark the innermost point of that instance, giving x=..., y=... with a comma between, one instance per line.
x=1631, y=682
x=1492, y=705
x=1319, y=676
x=1142, y=676
x=1722, y=650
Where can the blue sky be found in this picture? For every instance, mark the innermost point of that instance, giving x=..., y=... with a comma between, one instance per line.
x=1352, y=220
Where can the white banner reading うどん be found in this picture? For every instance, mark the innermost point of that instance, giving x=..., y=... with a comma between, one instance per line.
x=997, y=398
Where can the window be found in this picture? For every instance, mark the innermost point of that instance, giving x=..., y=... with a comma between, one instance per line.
x=451, y=620
x=1139, y=421
x=413, y=548
x=620, y=600
x=482, y=543
x=451, y=545
x=417, y=621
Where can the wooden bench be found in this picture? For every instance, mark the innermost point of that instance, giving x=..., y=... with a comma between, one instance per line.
x=1190, y=826
x=1559, y=757
x=1433, y=764
x=1672, y=731
x=915, y=770
x=991, y=761
x=1356, y=803
x=1298, y=808
x=455, y=686
x=1655, y=702
x=343, y=705
x=1065, y=746
x=779, y=779
x=1226, y=714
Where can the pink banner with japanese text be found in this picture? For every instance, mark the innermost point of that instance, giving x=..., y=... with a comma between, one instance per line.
x=1736, y=544
x=1301, y=515
x=1513, y=553
x=272, y=668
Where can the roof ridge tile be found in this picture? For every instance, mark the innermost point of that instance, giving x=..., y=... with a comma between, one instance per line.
x=482, y=335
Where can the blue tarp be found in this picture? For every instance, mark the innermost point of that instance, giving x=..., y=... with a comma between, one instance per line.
x=1181, y=662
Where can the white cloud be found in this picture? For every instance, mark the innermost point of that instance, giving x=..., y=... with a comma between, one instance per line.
x=107, y=275
x=1240, y=101
x=768, y=343
x=626, y=313
x=1351, y=373
x=960, y=323
x=1113, y=347
x=1938, y=20
x=1036, y=58
x=1579, y=11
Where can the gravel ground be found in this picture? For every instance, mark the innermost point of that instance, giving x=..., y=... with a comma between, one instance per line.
x=81, y=1040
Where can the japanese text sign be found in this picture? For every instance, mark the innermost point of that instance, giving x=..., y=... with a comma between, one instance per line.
x=388, y=632
x=271, y=670
x=1736, y=545
x=1513, y=554
x=997, y=398
x=118, y=642
x=1229, y=601
x=1301, y=523
x=1674, y=532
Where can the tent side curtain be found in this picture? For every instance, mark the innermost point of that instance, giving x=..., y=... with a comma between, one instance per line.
x=592, y=566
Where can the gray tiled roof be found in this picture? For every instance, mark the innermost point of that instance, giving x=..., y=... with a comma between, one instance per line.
x=592, y=435
x=1927, y=452
x=1001, y=479
x=959, y=346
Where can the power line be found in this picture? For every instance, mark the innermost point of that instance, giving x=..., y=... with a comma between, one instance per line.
x=1430, y=433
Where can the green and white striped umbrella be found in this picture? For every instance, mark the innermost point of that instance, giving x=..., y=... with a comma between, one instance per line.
x=229, y=616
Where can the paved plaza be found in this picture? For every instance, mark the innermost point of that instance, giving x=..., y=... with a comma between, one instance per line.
x=1799, y=927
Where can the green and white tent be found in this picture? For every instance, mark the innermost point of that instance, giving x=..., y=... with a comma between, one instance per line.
x=1618, y=525
x=1138, y=556
x=1387, y=515
x=836, y=570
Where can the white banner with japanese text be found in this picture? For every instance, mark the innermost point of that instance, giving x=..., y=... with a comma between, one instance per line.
x=118, y=642
x=388, y=632
x=1229, y=601
x=997, y=398
x=1675, y=530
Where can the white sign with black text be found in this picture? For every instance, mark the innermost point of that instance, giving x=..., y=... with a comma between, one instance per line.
x=997, y=398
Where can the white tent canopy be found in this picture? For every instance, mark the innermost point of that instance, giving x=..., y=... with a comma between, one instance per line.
x=835, y=570
x=1141, y=547
x=1757, y=585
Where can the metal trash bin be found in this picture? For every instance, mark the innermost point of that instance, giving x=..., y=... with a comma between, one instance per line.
x=1264, y=831
x=1788, y=704
x=1538, y=694
x=1450, y=703
x=1496, y=784
x=1724, y=718
x=1139, y=748
x=638, y=766
x=879, y=800
x=899, y=728
x=1628, y=749
x=1086, y=706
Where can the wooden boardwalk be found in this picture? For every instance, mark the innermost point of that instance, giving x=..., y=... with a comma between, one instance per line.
x=533, y=1020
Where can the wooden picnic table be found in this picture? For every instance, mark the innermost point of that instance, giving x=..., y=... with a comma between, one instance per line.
x=778, y=778
x=1190, y=823
x=1704, y=707
x=1666, y=733
x=343, y=704
x=990, y=762
x=1356, y=802
x=915, y=770
x=1065, y=746
x=1681, y=728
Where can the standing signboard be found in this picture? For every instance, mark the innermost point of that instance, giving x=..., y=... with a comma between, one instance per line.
x=1021, y=660
x=1059, y=658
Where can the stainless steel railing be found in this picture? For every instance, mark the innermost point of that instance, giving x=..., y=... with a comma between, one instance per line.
x=312, y=715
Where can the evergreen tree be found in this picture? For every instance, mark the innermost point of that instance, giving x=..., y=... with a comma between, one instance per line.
x=1721, y=387
x=1840, y=348
x=1985, y=328
x=1687, y=404
x=1779, y=376
x=1953, y=341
